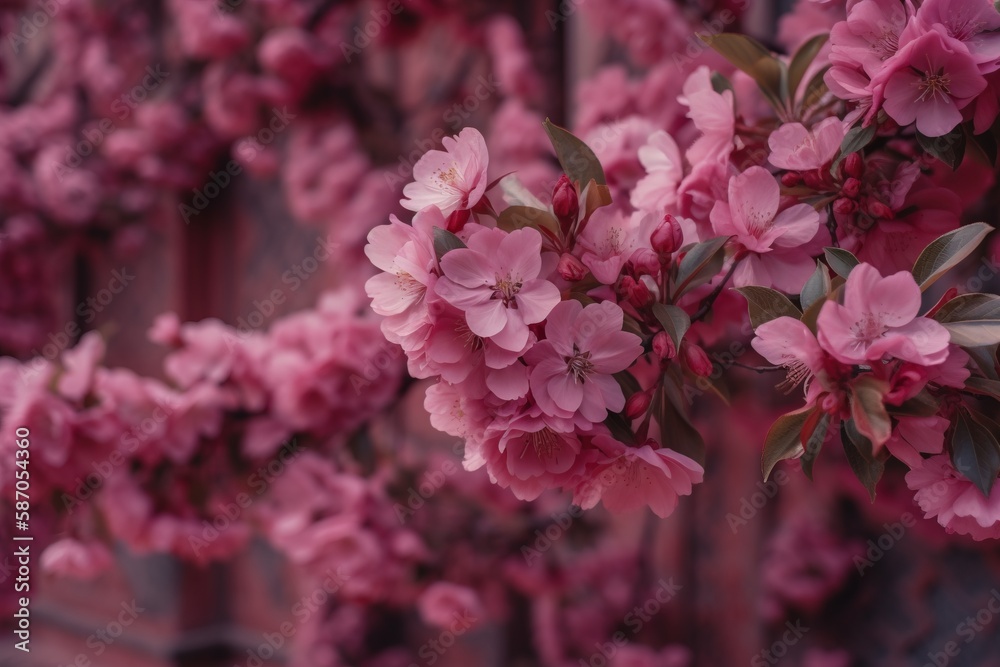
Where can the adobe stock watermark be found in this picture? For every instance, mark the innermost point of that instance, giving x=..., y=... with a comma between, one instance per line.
x=635, y=620
x=752, y=504
x=247, y=149
x=368, y=29
x=432, y=482
x=103, y=638
x=773, y=654
x=40, y=13
x=878, y=547
x=967, y=629
x=432, y=650
x=96, y=133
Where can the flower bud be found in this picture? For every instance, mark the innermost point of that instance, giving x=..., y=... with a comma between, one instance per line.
x=854, y=165
x=697, y=360
x=814, y=180
x=565, y=203
x=636, y=292
x=852, y=187
x=791, y=178
x=570, y=268
x=668, y=236
x=644, y=262
x=663, y=346
x=637, y=404
x=844, y=206
x=878, y=210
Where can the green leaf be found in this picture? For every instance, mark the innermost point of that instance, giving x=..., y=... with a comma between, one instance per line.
x=620, y=428
x=674, y=320
x=855, y=140
x=841, y=261
x=975, y=452
x=868, y=409
x=672, y=418
x=801, y=60
x=867, y=467
x=753, y=58
x=519, y=217
x=949, y=148
x=815, y=89
x=946, y=251
x=576, y=157
x=973, y=320
x=921, y=405
x=984, y=387
x=784, y=439
x=720, y=83
x=816, y=288
x=766, y=304
x=445, y=242
x=816, y=428
x=986, y=359
x=628, y=383
x=700, y=264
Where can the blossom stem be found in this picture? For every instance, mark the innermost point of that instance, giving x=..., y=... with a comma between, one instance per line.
x=707, y=302
x=757, y=369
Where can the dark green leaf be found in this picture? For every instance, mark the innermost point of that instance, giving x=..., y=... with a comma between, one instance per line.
x=841, y=261
x=801, y=60
x=815, y=89
x=673, y=420
x=620, y=428
x=816, y=288
x=949, y=148
x=973, y=320
x=445, y=241
x=855, y=140
x=674, y=320
x=867, y=468
x=720, y=83
x=519, y=217
x=921, y=405
x=814, y=435
x=975, y=453
x=752, y=57
x=576, y=157
x=766, y=304
x=946, y=251
x=986, y=359
x=984, y=387
x=784, y=439
x=700, y=264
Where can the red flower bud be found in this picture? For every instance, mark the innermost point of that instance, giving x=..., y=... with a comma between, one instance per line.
x=565, y=203
x=878, y=210
x=637, y=404
x=636, y=292
x=854, y=165
x=697, y=360
x=570, y=268
x=845, y=206
x=852, y=187
x=791, y=178
x=456, y=221
x=668, y=236
x=814, y=180
x=663, y=346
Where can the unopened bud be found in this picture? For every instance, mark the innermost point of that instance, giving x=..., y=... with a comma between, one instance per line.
x=668, y=236
x=878, y=210
x=697, y=360
x=565, y=203
x=637, y=404
x=570, y=268
x=852, y=187
x=814, y=180
x=844, y=206
x=456, y=221
x=854, y=165
x=636, y=292
x=663, y=346
x=790, y=179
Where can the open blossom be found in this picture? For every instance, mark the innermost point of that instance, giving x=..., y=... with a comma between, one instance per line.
x=453, y=179
x=769, y=240
x=971, y=22
x=495, y=281
x=627, y=478
x=713, y=116
x=793, y=146
x=789, y=343
x=610, y=239
x=661, y=157
x=953, y=500
x=879, y=319
x=929, y=81
x=573, y=369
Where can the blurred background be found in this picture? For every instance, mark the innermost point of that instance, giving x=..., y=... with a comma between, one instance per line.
x=194, y=180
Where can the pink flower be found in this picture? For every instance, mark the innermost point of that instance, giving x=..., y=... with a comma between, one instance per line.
x=572, y=369
x=495, y=281
x=800, y=149
x=657, y=191
x=972, y=22
x=627, y=478
x=879, y=319
x=769, y=239
x=72, y=558
x=443, y=602
x=789, y=343
x=610, y=239
x=930, y=80
x=453, y=179
x=914, y=436
x=955, y=501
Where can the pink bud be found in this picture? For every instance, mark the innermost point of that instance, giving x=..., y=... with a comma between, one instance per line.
x=845, y=206
x=697, y=360
x=814, y=180
x=644, y=262
x=663, y=346
x=636, y=291
x=637, y=404
x=570, y=268
x=565, y=203
x=854, y=165
x=852, y=187
x=668, y=236
x=790, y=179
x=878, y=210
